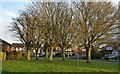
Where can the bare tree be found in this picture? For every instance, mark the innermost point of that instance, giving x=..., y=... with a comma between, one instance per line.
x=47, y=11
x=36, y=29
x=66, y=27
x=21, y=28
x=58, y=27
x=96, y=22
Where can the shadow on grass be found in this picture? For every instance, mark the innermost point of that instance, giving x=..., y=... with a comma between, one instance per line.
x=57, y=65
x=4, y=71
x=60, y=73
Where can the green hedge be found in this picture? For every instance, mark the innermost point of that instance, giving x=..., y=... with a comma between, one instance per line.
x=14, y=55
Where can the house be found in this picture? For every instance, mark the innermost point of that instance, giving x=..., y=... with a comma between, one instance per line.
x=17, y=47
x=72, y=50
x=5, y=46
x=112, y=51
x=112, y=47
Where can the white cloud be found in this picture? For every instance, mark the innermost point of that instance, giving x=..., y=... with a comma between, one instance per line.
x=8, y=13
x=115, y=0
x=15, y=0
x=4, y=33
x=56, y=0
x=11, y=14
x=5, y=20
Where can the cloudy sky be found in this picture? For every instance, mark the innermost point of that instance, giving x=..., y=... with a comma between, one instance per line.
x=10, y=9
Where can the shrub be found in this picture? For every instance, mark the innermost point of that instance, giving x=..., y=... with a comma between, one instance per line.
x=9, y=56
x=3, y=50
x=14, y=55
x=95, y=54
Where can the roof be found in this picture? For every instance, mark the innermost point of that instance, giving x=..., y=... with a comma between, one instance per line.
x=17, y=45
x=74, y=49
x=1, y=43
x=4, y=42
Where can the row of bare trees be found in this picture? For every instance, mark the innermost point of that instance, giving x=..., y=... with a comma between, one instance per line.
x=66, y=24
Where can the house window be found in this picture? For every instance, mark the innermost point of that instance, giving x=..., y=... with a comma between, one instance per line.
x=13, y=48
x=119, y=48
x=17, y=49
x=20, y=49
x=109, y=48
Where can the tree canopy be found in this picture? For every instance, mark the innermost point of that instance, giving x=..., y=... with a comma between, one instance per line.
x=67, y=24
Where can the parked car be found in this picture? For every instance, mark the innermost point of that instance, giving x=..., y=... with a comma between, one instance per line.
x=109, y=56
x=114, y=55
x=31, y=54
x=42, y=54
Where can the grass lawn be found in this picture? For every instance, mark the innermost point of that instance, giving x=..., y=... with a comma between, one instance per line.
x=0, y=66
x=43, y=65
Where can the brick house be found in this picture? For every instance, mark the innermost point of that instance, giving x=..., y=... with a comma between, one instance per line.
x=17, y=47
x=5, y=46
x=112, y=50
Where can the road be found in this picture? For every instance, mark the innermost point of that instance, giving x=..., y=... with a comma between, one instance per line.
x=99, y=60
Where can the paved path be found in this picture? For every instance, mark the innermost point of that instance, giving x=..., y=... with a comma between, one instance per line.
x=104, y=60
x=99, y=60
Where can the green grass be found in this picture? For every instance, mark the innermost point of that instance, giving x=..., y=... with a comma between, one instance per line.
x=43, y=65
x=0, y=66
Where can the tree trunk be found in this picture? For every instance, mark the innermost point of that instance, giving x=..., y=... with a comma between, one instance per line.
x=89, y=55
x=35, y=54
x=1, y=55
x=63, y=55
x=46, y=53
x=86, y=53
x=68, y=55
x=78, y=59
x=4, y=55
x=28, y=54
x=51, y=56
x=36, y=57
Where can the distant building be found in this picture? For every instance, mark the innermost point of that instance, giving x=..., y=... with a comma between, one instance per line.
x=112, y=50
x=17, y=47
x=5, y=46
x=112, y=47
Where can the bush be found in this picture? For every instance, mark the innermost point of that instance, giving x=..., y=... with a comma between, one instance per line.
x=58, y=54
x=19, y=55
x=3, y=50
x=95, y=54
x=1, y=55
x=14, y=55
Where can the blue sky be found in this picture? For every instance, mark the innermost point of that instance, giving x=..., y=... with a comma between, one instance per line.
x=10, y=9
